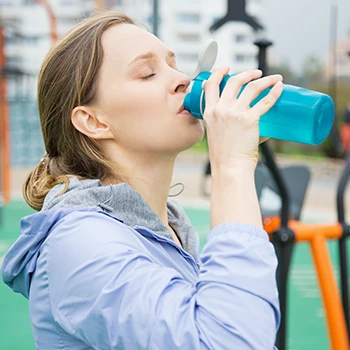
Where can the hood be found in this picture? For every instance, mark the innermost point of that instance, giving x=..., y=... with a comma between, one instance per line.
x=120, y=201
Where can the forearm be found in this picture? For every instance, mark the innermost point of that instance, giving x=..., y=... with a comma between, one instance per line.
x=233, y=196
x=237, y=288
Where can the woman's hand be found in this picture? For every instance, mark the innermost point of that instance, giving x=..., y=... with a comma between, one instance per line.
x=232, y=125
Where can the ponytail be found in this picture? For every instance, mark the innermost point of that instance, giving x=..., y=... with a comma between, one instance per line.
x=39, y=182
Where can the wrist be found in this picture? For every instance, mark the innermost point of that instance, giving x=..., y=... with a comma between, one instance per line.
x=237, y=168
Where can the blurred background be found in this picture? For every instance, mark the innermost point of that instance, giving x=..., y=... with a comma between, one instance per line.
x=310, y=48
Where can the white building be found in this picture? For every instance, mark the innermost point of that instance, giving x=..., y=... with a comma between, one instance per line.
x=27, y=31
x=183, y=26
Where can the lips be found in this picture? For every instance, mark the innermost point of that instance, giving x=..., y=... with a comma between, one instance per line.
x=181, y=109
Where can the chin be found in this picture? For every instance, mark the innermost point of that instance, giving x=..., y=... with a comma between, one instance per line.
x=196, y=137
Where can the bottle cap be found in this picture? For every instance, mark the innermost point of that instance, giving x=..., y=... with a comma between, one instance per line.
x=206, y=58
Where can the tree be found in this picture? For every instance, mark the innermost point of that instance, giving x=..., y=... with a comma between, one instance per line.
x=289, y=77
x=313, y=70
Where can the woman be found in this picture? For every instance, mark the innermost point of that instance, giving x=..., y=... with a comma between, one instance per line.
x=108, y=262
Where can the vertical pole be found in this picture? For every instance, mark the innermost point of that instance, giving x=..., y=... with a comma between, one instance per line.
x=155, y=16
x=53, y=24
x=336, y=145
x=333, y=48
x=342, y=243
x=283, y=238
x=5, y=138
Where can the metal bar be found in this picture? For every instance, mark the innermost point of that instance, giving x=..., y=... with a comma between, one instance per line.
x=330, y=294
x=284, y=252
x=155, y=16
x=5, y=137
x=343, y=260
x=283, y=238
x=342, y=246
x=343, y=182
x=53, y=24
x=263, y=44
x=277, y=176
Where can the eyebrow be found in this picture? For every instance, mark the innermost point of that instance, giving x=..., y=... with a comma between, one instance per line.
x=149, y=56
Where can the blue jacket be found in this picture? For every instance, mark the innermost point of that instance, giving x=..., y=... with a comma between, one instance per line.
x=101, y=271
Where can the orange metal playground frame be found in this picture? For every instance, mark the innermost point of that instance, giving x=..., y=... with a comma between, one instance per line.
x=5, y=169
x=317, y=235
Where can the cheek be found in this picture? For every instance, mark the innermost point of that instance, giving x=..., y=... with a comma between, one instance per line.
x=135, y=100
x=136, y=118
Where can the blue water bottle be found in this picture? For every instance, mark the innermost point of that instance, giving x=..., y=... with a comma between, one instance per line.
x=299, y=115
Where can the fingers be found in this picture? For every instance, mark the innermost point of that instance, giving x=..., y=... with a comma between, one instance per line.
x=254, y=88
x=211, y=87
x=268, y=101
x=236, y=82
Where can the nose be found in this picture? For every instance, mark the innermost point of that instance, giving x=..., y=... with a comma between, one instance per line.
x=182, y=83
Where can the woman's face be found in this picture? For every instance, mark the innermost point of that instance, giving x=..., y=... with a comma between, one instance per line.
x=141, y=94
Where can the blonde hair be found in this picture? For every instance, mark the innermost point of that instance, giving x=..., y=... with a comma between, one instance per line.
x=67, y=79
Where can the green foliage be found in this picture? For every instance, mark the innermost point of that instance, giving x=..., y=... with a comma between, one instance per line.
x=312, y=69
x=201, y=146
x=289, y=77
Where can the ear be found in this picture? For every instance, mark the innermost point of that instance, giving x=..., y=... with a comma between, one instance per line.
x=87, y=122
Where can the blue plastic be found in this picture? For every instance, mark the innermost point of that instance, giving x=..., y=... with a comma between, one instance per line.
x=299, y=115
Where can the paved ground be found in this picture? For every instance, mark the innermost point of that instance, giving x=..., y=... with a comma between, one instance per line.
x=320, y=201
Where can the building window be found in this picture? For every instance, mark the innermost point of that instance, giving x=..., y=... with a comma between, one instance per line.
x=10, y=40
x=13, y=62
x=67, y=2
x=30, y=40
x=5, y=3
x=69, y=22
x=189, y=38
x=149, y=20
x=187, y=56
x=240, y=58
x=240, y=38
x=188, y=17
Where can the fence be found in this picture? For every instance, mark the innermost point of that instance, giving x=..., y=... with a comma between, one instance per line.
x=26, y=145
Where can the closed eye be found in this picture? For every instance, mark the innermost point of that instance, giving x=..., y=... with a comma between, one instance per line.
x=148, y=76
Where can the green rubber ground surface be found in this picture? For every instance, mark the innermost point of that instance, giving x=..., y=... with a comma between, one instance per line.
x=306, y=322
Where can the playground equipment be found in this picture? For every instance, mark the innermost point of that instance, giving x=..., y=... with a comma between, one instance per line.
x=4, y=127
x=286, y=230
x=4, y=104
x=52, y=17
